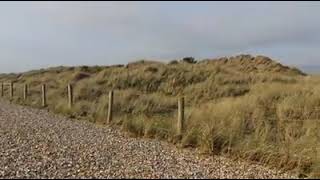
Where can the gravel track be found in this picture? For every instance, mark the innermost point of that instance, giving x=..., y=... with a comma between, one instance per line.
x=39, y=144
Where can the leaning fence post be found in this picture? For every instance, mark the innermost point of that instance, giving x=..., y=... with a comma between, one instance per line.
x=109, y=118
x=11, y=89
x=25, y=92
x=70, y=95
x=44, y=98
x=180, y=122
x=2, y=89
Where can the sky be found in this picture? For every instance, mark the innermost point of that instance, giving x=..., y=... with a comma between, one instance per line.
x=37, y=35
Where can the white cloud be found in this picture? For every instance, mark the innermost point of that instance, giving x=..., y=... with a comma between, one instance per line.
x=53, y=33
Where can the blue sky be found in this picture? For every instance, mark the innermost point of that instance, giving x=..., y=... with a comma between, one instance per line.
x=41, y=34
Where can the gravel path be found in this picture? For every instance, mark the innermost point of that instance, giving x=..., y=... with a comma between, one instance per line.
x=38, y=144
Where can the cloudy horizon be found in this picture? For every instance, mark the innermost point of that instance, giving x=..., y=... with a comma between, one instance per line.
x=37, y=35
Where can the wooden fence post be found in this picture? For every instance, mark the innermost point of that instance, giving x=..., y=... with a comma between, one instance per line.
x=2, y=89
x=109, y=118
x=11, y=90
x=70, y=95
x=180, y=123
x=25, y=92
x=44, y=98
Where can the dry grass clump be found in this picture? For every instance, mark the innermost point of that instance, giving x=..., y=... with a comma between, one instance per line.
x=275, y=123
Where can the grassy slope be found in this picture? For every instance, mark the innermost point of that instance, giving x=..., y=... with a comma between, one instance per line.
x=248, y=107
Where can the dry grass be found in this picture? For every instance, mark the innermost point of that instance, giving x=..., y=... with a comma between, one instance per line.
x=243, y=106
x=275, y=123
